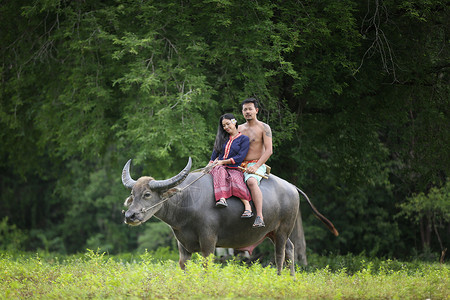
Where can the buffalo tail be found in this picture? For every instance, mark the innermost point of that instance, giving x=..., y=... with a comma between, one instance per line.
x=319, y=215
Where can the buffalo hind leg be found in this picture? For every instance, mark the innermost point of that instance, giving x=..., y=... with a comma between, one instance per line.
x=290, y=256
x=280, y=248
x=184, y=256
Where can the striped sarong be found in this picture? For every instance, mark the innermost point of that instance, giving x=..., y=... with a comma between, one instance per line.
x=229, y=182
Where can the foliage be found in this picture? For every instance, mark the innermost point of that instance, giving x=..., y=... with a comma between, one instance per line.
x=95, y=275
x=433, y=207
x=11, y=238
x=356, y=94
x=435, y=203
x=156, y=235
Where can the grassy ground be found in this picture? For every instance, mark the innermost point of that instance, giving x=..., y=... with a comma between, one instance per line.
x=98, y=276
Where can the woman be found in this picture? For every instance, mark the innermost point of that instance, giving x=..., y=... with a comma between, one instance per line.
x=230, y=149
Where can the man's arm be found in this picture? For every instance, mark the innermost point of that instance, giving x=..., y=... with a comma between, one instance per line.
x=267, y=138
x=267, y=141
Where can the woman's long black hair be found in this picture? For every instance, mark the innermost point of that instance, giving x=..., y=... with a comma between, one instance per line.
x=222, y=136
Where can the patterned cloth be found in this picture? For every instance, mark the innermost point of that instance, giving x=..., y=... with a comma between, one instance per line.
x=229, y=182
x=261, y=170
x=245, y=163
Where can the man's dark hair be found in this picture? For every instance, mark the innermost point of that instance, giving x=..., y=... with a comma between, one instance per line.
x=250, y=100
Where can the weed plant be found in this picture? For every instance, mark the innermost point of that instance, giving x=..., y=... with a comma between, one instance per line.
x=95, y=275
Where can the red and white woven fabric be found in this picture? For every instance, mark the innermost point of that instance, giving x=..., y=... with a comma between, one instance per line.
x=229, y=182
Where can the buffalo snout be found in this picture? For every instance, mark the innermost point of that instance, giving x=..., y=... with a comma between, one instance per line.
x=132, y=218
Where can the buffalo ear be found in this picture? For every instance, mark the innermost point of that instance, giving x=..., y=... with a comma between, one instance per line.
x=128, y=201
x=170, y=192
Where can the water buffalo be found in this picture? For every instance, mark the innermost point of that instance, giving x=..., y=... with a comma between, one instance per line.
x=186, y=203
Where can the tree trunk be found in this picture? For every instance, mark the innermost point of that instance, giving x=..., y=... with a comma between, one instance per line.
x=425, y=232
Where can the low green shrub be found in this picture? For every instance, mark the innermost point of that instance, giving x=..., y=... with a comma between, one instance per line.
x=97, y=275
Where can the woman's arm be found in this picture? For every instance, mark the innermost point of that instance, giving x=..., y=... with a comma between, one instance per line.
x=214, y=155
x=241, y=150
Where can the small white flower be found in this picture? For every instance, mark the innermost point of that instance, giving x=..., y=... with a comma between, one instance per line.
x=233, y=121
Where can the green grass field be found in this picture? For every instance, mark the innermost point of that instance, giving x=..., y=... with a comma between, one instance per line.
x=98, y=276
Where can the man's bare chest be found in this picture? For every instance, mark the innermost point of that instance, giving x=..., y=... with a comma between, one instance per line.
x=255, y=136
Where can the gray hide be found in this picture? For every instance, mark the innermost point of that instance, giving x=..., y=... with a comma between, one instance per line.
x=298, y=239
x=199, y=226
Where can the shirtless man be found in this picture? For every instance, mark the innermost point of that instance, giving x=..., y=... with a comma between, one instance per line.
x=259, y=152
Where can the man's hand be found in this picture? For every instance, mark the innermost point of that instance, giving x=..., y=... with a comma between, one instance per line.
x=246, y=170
x=251, y=169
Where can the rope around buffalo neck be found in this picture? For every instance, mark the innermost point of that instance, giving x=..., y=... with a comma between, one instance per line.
x=204, y=170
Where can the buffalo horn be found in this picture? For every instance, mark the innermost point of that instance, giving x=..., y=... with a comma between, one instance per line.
x=127, y=181
x=175, y=180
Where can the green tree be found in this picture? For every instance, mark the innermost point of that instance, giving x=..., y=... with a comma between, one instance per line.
x=431, y=212
x=356, y=94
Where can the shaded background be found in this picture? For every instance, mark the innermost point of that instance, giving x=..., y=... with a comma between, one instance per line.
x=356, y=93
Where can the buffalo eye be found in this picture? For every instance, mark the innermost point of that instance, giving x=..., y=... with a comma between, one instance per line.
x=147, y=195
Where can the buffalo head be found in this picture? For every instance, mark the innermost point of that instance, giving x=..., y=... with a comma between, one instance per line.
x=148, y=194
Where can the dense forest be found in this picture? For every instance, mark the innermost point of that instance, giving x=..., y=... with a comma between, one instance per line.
x=356, y=94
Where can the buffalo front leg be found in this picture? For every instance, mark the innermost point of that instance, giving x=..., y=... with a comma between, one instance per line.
x=184, y=256
x=208, y=246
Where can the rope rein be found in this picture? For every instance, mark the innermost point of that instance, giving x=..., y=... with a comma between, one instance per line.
x=204, y=170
